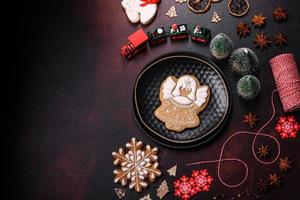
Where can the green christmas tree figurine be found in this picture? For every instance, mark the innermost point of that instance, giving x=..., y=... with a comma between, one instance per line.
x=221, y=46
x=243, y=61
x=248, y=87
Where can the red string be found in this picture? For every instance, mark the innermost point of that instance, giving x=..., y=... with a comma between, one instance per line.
x=256, y=134
x=146, y=2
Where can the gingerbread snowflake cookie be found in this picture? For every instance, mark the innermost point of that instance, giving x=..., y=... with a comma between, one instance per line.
x=142, y=11
x=182, y=100
x=138, y=165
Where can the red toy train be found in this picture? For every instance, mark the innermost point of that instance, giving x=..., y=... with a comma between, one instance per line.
x=138, y=40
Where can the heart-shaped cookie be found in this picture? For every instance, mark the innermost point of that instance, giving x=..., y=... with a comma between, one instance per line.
x=142, y=11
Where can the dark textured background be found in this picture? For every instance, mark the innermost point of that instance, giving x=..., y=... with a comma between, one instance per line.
x=70, y=100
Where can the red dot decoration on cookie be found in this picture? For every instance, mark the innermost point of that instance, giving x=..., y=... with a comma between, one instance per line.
x=186, y=187
x=287, y=127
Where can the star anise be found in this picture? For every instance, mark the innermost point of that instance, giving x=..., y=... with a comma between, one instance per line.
x=250, y=119
x=261, y=41
x=280, y=14
x=274, y=180
x=280, y=40
x=243, y=29
x=284, y=164
x=263, y=151
x=259, y=20
x=262, y=186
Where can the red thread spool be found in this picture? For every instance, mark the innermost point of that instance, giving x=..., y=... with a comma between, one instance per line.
x=287, y=79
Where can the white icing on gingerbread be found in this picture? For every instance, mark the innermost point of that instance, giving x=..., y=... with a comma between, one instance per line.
x=201, y=96
x=171, y=89
x=136, y=12
x=167, y=88
x=182, y=100
x=186, y=82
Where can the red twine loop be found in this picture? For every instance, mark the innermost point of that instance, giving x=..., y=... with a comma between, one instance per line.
x=255, y=134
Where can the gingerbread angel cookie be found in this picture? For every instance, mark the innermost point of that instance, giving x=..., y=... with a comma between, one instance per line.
x=181, y=101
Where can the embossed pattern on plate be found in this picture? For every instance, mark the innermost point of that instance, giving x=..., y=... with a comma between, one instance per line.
x=146, y=98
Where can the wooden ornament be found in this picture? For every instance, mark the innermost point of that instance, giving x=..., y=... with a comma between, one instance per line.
x=172, y=170
x=147, y=197
x=172, y=12
x=120, y=192
x=215, y=18
x=162, y=190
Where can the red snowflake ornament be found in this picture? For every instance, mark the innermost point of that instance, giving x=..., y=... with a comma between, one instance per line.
x=287, y=127
x=186, y=187
x=202, y=180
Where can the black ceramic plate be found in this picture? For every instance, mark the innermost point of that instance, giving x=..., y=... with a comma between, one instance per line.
x=146, y=99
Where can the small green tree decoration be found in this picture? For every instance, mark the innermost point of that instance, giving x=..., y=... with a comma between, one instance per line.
x=243, y=61
x=248, y=87
x=221, y=46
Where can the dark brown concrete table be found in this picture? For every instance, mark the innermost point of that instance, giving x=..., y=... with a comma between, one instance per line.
x=71, y=102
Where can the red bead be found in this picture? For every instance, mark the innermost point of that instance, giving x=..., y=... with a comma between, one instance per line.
x=174, y=26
